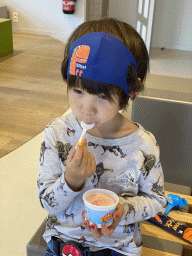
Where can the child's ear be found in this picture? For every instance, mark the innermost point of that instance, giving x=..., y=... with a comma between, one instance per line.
x=133, y=95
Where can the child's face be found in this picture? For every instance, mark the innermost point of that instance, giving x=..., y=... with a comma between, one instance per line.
x=91, y=108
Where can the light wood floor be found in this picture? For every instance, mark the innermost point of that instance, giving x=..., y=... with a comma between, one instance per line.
x=32, y=91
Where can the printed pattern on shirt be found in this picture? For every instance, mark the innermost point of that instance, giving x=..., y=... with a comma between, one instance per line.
x=158, y=189
x=50, y=199
x=63, y=150
x=112, y=149
x=100, y=170
x=70, y=132
x=42, y=153
x=148, y=164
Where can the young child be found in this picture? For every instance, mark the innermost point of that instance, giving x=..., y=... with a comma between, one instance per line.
x=105, y=64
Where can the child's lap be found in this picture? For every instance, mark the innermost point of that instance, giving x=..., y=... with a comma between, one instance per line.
x=53, y=250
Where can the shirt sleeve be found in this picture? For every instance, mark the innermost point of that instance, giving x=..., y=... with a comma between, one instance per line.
x=151, y=196
x=54, y=194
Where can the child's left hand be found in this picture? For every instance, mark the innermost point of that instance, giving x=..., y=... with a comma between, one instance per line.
x=104, y=230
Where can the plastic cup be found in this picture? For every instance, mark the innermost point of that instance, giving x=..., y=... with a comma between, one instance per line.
x=99, y=214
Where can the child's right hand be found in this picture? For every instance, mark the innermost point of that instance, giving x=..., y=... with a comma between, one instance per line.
x=80, y=165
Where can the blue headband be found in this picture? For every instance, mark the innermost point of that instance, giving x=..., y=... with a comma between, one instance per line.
x=101, y=57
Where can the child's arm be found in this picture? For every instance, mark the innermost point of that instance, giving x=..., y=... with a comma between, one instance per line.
x=151, y=197
x=56, y=193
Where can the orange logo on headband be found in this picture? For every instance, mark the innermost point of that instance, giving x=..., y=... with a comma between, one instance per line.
x=80, y=55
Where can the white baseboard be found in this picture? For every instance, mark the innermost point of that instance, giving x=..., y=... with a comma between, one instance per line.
x=168, y=46
x=55, y=34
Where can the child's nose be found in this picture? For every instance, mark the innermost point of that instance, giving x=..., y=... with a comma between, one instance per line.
x=89, y=110
x=89, y=106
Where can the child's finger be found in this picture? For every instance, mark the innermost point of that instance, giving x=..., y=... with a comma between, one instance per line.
x=84, y=153
x=86, y=225
x=89, y=165
x=81, y=149
x=86, y=222
x=71, y=153
x=84, y=141
x=93, y=164
x=78, y=155
x=96, y=232
x=106, y=231
x=118, y=213
x=93, y=228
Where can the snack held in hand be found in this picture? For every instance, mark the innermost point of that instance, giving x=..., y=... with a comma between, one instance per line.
x=99, y=206
x=100, y=199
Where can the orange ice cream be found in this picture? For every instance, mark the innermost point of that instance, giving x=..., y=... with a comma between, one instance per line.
x=100, y=199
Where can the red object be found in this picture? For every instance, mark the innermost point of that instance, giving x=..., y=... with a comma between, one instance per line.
x=68, y=6
x=70, y=250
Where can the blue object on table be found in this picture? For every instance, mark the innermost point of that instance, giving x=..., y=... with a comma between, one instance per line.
x=173, y=201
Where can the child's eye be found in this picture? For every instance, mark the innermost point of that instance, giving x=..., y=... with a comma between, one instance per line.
x=77, y=91
x=103, y=97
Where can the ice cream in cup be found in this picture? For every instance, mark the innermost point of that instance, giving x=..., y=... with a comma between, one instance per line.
x=99, y=206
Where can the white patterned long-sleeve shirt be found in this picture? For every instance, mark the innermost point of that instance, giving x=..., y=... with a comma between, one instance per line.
x=129, y=166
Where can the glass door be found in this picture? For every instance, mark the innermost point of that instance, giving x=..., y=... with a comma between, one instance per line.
x=145, y=11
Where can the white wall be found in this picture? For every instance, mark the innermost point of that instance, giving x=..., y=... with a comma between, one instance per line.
x=124, y=10
x=172, y=27
x=45, y=17
x=172, y=23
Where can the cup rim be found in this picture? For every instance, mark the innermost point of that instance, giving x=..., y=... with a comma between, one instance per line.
x=100, y=190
